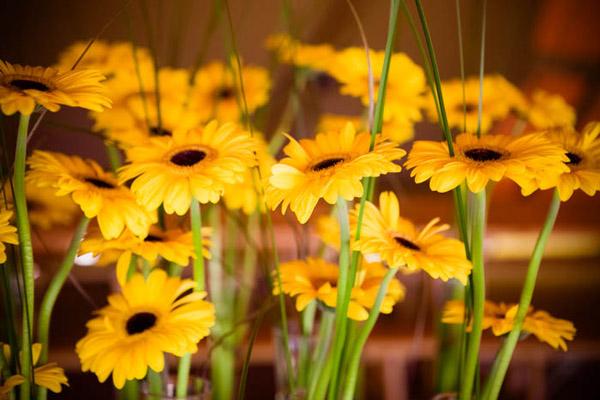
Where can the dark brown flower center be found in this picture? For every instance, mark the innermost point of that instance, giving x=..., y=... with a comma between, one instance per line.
x=574, y=159
x=326, y=164
x=140, y=322
x=156, y=131
x=483, y=154
x=406, y=243
x=224, y=93
x=153, y=238
x=467, y=107
x=99, y=183
x=187, y=158
x=26, y=84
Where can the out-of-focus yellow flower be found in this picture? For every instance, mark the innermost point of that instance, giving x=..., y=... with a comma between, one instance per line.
x=149, y=318
x=500, y=318
x=489, y=158
x=330, y=166
x=393, y=129
x=315, y=57
x=316, y=279
x=401, y=245
x=550, y=111
x=8, y=233
x=24, y=87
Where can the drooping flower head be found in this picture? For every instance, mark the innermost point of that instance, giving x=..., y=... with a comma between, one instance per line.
x=401, y=245
x=329, y=166
x=149, y=318
x=97, y=192
x=197, y=163
x=24, y=87
x=316, y=279
x=500, y=318
x=489, y=158
x=8, y=233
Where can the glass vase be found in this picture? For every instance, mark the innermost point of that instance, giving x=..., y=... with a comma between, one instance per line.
x=198, y=389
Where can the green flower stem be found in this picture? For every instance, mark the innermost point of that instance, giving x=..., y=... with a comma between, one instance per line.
x=320, y=353
x=474, y=341
x=155, y=386
x=130, y=391
x=343, y=296
x=494, y=383
x=307, y=322
x=26, y=255
x=54, y=288
x=114, y=156
x=185, y=362
x=363, y=335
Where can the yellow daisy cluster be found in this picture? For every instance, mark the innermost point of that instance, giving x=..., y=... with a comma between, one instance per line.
x=500, y=318
x=149, y=318
x=316, y=279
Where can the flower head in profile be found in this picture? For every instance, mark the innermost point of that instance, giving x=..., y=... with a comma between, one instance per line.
x=96, y=191
x=149, y=318
x=24, y=87
x=8, y=233
x=489, y=158
x=196, y=163
x=215, y=91
x=500, y=318
x=49, y=376
x=550, y=111
x=583, y=153
x=316, y=279
x=174, y=245
x=461, y=102
x=328, y=167
x=400, y=244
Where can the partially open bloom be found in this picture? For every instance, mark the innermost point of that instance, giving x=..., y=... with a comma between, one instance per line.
x=24, y=87
x=316, y=279
x=489, y=158
x=174, y=245
x=149, y=318
x=500, y=318
x=196, y=163
x=400, y=244
x=49, y=376
x=461, y=102
x=550, y=111
x=8, y=233
x=583, y=152
x=215, y=94
x=329, y=166
x=97, y=192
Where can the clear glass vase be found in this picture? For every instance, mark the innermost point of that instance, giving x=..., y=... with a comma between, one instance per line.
x=198, y=389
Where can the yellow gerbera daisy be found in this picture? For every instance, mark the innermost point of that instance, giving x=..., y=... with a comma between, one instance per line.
x=148, y=318
x=316, y=279
x=491, y=157
x=329, y=166
x=500, y=317
x=49, y=376
x=215, y=91
x=550, y=111
x=400, y=244
x=94, y=190
x=46, y=210
x=174, y=245
x=500, y=97
x=197, y=163
x=8, y=233
x=583, y=152
x=22, y=87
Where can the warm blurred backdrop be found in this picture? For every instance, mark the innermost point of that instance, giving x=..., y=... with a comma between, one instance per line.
x=548, y=44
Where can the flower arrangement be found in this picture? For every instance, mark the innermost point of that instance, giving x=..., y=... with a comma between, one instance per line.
x=185, y=212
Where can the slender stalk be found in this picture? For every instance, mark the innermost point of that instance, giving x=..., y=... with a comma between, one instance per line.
x=246, y=366
x=185, y=361
x=155, y=387
x=114, y=156
x=55, y=286
x=494, y=382
x=130, y=391
x=363, y=335
x=26, y=255
x=320, y=354
x=472, y=357
x=307, y=322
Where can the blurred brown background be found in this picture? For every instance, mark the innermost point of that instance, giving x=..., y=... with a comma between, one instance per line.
x=549, y=44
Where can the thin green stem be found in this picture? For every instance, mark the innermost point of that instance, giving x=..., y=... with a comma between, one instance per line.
x=320, y=354
x=55, y=286
x=494, y=382
x=26, y=255
x=155, y=386
x=131, y=390
x=114, y=156
x=472, y=357
x=363, y=335
x=183, y=375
